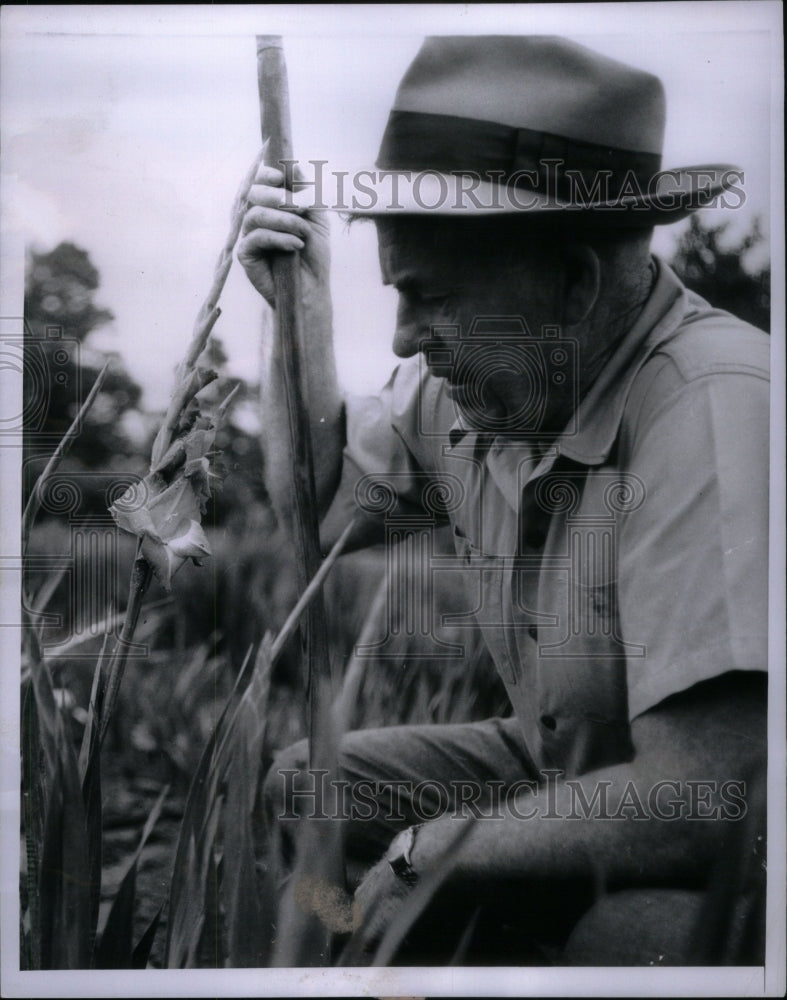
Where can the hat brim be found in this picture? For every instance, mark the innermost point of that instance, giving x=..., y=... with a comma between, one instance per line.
x=672, y=195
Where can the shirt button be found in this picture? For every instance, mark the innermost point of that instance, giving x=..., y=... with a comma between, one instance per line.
x=532, y=631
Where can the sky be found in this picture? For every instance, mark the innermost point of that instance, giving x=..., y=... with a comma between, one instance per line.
x=127, y=130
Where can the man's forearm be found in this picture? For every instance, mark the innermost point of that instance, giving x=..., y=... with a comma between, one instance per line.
x=662, y=817
x=615, y=825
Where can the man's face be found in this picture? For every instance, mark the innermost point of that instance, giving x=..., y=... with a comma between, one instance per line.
x=445, y=286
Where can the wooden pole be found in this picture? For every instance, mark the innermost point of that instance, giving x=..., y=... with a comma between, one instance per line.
x=276, y=135
x=307, y=941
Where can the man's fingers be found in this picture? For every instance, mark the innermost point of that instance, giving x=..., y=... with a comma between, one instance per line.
x=270, y=196
x=269, y=175
x=274, y=219
x=260, y=242
x=272, y=175
x=271, y=225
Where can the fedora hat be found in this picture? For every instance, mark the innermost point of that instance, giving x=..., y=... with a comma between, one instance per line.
x=507, y=124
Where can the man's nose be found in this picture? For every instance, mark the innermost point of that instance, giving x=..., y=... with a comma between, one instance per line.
x=412, y=327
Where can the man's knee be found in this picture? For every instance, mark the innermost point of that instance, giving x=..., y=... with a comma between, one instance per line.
x=636, y=927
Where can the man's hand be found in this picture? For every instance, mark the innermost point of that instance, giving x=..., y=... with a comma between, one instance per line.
x=269, y=228
x=377, y=901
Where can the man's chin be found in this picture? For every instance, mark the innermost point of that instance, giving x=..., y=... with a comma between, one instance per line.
x=477, y=413
x=484, y=412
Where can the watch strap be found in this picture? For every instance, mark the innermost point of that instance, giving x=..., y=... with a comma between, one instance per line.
x=400, y=858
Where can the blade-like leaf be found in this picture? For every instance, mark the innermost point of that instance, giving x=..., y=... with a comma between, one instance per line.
x=47, y=715
x=141, y=954
x=90, y=773
x=94, y=835
x=63, y=897
x=137, y=588
x=34, y=503
x=458, y=957
x=210, y=948
x=95, y=705
x=65, y=885
x=115, y=950
x=195, y=841
x=34, y=797
x=188, y=919
x=185, y=919
x=148, y=625
x=43, y=596
x=246, y=926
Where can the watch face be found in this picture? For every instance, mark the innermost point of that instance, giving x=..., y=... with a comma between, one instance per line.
x=400, y=846
x=399, y=866
x=404, y=871
x=398, y=856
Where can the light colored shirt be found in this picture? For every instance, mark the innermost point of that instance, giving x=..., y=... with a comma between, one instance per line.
x=625, y=563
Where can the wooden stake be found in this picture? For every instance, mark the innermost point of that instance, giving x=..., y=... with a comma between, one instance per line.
x=277, y=141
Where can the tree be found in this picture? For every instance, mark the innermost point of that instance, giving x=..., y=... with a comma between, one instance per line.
x=718, y=273
x=60, y=366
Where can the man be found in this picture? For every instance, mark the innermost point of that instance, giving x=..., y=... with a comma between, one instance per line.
x=600, y=437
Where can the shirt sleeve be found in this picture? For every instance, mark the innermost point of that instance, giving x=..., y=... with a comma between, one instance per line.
x=384, y=457
x=693, y=558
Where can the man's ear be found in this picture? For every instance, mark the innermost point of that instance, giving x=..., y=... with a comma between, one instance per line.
x=581, y=283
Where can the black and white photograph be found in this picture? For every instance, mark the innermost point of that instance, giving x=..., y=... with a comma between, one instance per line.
x=392, y=500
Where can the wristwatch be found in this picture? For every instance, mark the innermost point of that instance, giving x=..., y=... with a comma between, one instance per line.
x=398, y=855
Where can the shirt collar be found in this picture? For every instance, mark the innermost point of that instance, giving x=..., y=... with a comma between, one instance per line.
x=596, y=422
x=592, y=431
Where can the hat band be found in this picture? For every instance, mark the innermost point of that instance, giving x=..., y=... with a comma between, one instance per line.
x=500, y=153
